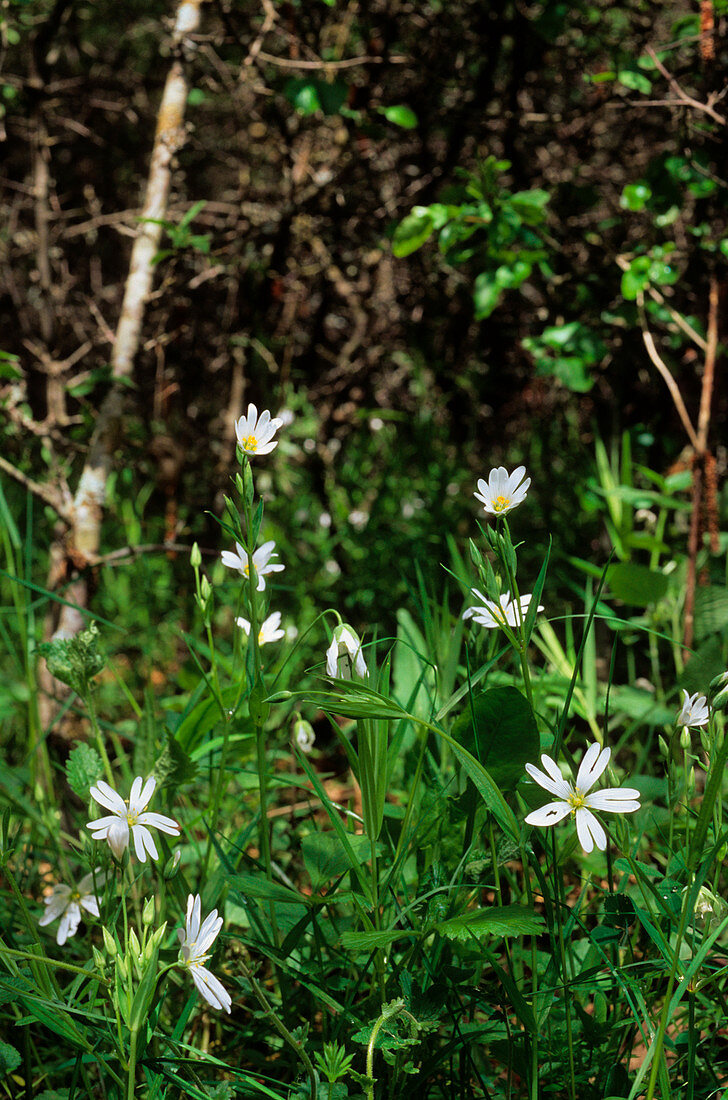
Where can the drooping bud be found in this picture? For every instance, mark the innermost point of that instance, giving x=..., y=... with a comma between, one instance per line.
x=303, y=735
x=345, y=644
x=172, y=865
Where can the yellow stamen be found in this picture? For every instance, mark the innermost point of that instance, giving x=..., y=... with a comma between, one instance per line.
x=576, y=800
x=500, y=503
x=250, y=443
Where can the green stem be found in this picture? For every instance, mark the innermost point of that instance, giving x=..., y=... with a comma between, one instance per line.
x=395, y=1009
x=564, y=975
x=130, y=1082
x=282, y=1029
x=91, y=708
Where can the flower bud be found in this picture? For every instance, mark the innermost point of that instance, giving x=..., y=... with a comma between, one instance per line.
x=148, y=912
x=99, y=960
x=664, y=747
x=721, y=853
x=154, y=941
x=172, y=865
x=110, y=943
x=134, y=945
x=205, y=592
x=303, y=735
x=718, y=692
x=685, y=739
x=195, y=556
x=691, y=780
x=705, y=739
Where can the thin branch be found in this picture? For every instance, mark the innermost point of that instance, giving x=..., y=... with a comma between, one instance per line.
x=50, y=495
x=711, y=353
x=345, y=63
x=683, y=97
x=671, y=385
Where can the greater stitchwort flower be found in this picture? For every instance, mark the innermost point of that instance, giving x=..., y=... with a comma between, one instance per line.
x=124, y=818
x=694, y=711
x=195, y=944
x=507, y=612
x=67, y=902
x=345, y=653
x=303, y=735
x=261, y=561
x=503, y=491
x=574, y=798
x=269, y=631
x=255, y=434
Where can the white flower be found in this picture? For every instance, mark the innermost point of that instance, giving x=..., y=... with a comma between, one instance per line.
x=195, y=944
x=346, y=644
x=503, y=491
x=66, y=902
x=261, y=561
x=255, y=434
x=268, y=632
x=123, y=818
x=504, y=613
x=574, y=798
x=694, y=711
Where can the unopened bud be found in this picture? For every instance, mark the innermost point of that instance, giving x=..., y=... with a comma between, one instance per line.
x=685, y=738
x=664, y=747
x=110, y=943
x=205, y=591
x=136, y=947
x=718, y=692
x=303, y=735
x=122, y=967
x=232, y=512
x=248, y=486
x=99, y=960
x=195, y=556
x=172, y=865
x=705, y=739
x=722, y=852
x=154, y=941
x=148, y=912
x=691, y=780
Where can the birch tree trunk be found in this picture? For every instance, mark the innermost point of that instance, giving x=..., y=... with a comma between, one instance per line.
x=81, y=541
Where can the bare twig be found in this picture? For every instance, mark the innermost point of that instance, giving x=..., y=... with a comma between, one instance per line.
x=671, y=385
x=345, y=63
x=49, y=493
x=683, y=98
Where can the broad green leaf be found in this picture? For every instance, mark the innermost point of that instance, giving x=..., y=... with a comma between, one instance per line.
x=258, y=886
x=636, y=82
x=325, y=859
x=635, y=196
x=486, y=787
x=637, y=584
x=486, y=295
x=412, y=232
x=400, y=116
x=499, y=920
x=711, y=610
x=501, y=732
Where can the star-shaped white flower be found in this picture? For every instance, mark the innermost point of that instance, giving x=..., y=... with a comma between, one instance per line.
x=261, y=561
x=67, y=902
x=132, y=818
x=503, y=491
x=345, y=644
x=694, y=711
x=269, y=631
x=255, y=434
x=195, y=944
x=507, y=612
x=574, y=798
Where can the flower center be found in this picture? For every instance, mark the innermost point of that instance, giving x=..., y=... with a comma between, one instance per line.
x=131, y=817
x=576, y=800
x=260, y=637
x=75, y=896
x=500, y=503
x=250, y=443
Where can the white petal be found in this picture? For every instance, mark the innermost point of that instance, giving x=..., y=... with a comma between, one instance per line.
x=593, y=763
x=589, y=831
x=101, y=824
x=617, y=800
x=118, y=836
x=243, y=624
x=136, y=790
x=211, y=988
x=69, y=923
x=90, y=904
x=193, y=916
x=549, y=814
x=232, y=561
x=143, y=843
x=332, y=656
x=107, y=797
x=146, y=795
x=159, y=821
x=553, y=780
x=209, y=931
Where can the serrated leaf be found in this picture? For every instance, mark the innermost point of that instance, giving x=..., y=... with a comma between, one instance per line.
x=504, y=920
x=174, y=767
x=370, y=941
x=9, y=1059
x=84, y=767
x=74, y=661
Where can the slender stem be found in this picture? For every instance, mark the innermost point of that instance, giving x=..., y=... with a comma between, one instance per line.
x=91, y=708
x=130, y=1082
x=560, y=900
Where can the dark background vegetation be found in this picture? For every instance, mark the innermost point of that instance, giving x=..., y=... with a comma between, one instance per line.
x=283, y=288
